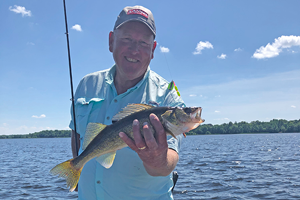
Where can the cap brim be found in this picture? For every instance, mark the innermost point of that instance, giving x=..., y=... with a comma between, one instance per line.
x=138, y=21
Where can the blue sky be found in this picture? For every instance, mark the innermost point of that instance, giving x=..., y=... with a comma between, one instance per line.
x=238, y=60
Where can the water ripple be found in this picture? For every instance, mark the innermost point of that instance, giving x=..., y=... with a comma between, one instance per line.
x=235, y=167
x=258, y=166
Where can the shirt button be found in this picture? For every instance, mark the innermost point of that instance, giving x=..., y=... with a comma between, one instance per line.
x=115, y=100
x=107, y=117
x=98, y=182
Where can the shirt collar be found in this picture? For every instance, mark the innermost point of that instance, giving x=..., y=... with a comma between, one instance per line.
x=109, y=77
x=111, y=74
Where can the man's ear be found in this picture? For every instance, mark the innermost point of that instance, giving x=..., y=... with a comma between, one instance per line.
x=111, y=41
x=154, y=46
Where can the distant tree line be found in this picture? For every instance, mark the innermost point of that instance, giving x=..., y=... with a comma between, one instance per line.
x=274, y=126
x=41, y=134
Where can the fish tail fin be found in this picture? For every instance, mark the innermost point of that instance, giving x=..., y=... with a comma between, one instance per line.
x=68, y=171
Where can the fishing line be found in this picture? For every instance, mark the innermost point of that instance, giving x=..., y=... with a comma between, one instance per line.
x=168, y=65
x=172, y=83
x=71, y=79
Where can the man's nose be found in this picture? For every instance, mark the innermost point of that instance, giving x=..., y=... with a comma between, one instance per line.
x=134, y=47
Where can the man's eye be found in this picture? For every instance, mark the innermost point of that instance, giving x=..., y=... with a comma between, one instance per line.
x=126, y=39
x=144, y=44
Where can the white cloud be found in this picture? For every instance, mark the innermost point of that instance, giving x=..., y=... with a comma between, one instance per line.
x=292, y=51
x=20, y=9
x=30, y=43
x=38, y=117
x=195, y=95
x=202, y=45
x=238, y=49
x=222, y=56
x=273, y=50
x=164, y=49
x=77, y=27
x=293, y=106
x=216, y=111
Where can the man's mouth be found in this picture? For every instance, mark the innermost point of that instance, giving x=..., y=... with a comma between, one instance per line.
x=131, y=60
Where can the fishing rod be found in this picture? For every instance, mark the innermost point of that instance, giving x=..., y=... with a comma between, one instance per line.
x=71, y=79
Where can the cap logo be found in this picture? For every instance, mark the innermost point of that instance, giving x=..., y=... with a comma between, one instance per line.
x=137, y=12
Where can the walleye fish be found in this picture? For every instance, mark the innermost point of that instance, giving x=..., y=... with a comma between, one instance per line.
x=103, y=141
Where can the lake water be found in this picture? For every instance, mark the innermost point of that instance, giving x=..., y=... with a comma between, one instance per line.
x=248, y=166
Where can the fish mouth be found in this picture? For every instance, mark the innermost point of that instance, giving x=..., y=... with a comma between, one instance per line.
x=191, y=119
x=196, y=115
x=196, y=118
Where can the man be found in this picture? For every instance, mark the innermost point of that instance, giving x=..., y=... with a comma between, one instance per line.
x=143, y=169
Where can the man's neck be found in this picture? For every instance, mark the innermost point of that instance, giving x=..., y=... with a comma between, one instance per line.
x=122, y=85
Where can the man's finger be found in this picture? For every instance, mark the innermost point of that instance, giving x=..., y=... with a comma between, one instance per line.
x=128, y=141
x=149, y=137
x=138, y=139
x=159, y=129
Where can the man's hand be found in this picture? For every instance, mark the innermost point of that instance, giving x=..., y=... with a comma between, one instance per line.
x=153, y=150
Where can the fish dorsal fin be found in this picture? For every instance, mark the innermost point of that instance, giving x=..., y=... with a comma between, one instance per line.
x=106, y=160
x=92, y=130
x=130, y=109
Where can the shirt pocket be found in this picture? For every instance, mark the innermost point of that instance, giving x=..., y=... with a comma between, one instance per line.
x=83, y=109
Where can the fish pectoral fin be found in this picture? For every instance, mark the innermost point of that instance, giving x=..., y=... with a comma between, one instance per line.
x=170, y=133
x=171, y=128
x=106, y=160
x=130, y=109
x=92, y=130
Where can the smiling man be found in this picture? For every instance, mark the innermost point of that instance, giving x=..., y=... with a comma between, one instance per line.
x=132, y=45
x=143, y=169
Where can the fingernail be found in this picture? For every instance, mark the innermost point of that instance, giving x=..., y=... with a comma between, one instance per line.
x=121, y=134
x=152, y=116
x=135, y=122
x=145, y=124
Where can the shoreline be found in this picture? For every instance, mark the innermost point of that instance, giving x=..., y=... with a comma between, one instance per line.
x=15, y=136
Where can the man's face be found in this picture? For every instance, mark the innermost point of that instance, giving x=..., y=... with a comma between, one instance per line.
x=132, y=46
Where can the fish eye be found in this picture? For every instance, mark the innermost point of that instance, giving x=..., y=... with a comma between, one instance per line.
x=188, y=110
